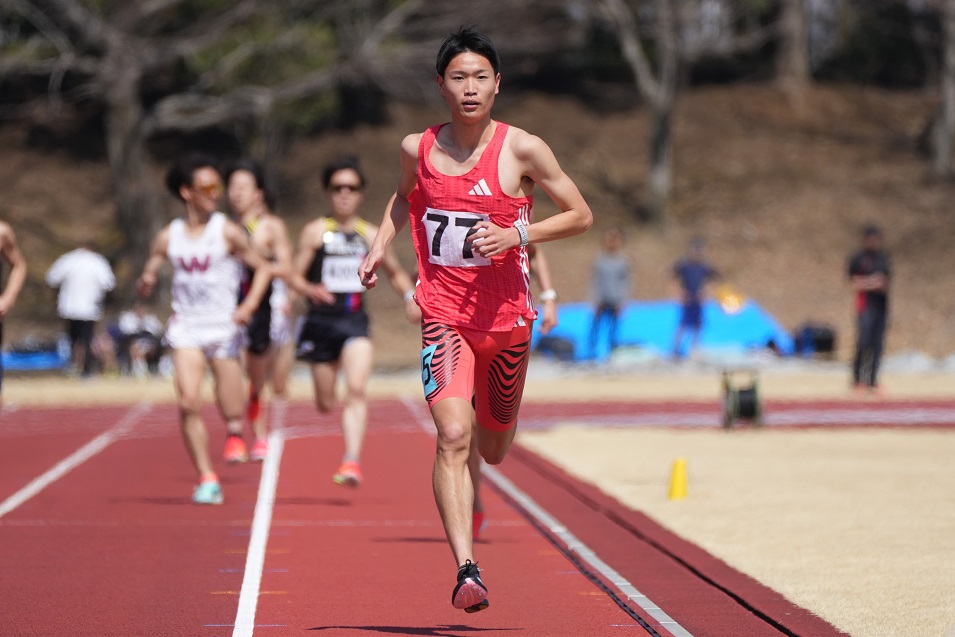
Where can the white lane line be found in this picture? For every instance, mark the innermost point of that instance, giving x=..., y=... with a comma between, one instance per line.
x=584, y=553
x=78, y=457
x=545, y=519
x=261, y=522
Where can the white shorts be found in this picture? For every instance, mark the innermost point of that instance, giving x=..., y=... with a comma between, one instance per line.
x=214, y=339
x=280, y=330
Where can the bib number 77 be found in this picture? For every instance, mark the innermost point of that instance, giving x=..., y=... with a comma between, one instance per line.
x=448, y=234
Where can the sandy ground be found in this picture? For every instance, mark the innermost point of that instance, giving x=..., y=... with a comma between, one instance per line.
x=857, y=526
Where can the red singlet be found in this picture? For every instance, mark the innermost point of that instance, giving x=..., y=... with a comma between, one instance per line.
x=458, y=286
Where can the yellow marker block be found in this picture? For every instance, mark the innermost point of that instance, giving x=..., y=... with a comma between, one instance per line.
x=678, y=480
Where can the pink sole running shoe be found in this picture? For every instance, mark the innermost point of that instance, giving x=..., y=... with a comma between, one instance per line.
x=260, y=449
x=470, y=593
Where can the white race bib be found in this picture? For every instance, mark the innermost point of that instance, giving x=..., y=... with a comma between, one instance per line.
x=340, y=273
x=447, y=234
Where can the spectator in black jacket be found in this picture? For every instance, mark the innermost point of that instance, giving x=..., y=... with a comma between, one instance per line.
x=869, y=274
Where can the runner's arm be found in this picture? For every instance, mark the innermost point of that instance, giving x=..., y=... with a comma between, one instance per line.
x=542, y=168
x=401, y=281
x=396, y=212
x=157, y=256
x=18, y=268
x=309, y=243
x=281, y=250
x=548, y=296
x=241, y=247
x=537, y=163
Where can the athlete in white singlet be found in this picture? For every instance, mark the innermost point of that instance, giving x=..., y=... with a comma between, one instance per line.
x=205, y=282
x=203, y=247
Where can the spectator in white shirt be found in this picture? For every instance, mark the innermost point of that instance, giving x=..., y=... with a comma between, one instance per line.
x=83, y=278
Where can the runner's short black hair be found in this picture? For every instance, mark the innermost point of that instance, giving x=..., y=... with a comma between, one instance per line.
x=258, y=173
x=349, y=162
x=183, y=171
x=466, y=39
x=871, y=230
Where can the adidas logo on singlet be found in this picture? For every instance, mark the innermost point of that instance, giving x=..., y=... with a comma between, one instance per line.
x=480, y=189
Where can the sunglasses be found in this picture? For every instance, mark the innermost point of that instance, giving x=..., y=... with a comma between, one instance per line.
x=339, y=188
x=209, y=190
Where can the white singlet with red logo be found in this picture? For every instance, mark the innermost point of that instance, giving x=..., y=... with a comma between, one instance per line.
x=205, y=277
x=458, y=286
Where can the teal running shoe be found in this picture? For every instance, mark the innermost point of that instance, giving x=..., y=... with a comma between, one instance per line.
x=207, y=493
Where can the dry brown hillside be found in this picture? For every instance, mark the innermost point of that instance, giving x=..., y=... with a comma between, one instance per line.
x=779, y=188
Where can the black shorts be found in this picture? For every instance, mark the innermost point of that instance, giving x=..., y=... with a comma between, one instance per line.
x=323, y=336
x=257, y=333
x=80, y=331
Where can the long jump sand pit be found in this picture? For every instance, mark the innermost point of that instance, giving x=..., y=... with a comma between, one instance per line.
x=856, y=524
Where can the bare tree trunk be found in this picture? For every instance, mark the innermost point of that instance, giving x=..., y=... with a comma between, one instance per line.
x=792, y=57
x=139, y=213
x=945, y=122
x=662, y=102
x=660, y=178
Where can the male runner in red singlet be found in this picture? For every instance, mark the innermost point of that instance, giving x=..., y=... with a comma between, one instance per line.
x=467, y=188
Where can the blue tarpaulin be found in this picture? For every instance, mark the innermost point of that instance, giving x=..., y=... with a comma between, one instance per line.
x=652, y=325
x=32, y=361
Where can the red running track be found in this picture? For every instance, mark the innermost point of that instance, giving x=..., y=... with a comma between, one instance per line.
x=110, y=544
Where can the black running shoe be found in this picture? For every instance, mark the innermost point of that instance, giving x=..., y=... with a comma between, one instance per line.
x=470, y=593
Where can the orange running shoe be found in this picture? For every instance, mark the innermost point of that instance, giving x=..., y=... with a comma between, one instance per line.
x=260, y=448
x=349, y=474
x=235, y=450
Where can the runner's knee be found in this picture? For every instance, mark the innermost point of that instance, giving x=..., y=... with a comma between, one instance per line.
x=493, y=448
x=324, y=404
x=494, y=456
x=455, y=439
x=189, y=404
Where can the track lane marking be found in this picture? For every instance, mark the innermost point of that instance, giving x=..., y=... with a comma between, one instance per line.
x=258, y=540
x=558, y=530
x=77, y=458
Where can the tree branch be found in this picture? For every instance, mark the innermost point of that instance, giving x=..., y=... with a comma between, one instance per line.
x=624, y=24
x=163, y=52
x=193, y=112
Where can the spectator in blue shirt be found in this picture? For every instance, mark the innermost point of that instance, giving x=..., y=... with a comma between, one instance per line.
x=692, y=273
x=610, y=284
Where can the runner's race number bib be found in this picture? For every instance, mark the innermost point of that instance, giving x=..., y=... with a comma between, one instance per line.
x=340, y=273
x=448, y=233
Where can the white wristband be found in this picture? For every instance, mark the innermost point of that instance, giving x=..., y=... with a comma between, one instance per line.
x=409, y=294
x=522, y=231
x=548, y=295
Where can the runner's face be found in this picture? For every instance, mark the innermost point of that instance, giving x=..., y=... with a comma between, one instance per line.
x=469, y=85
x=203, y=195
x=242, y=192
x=344, y=192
